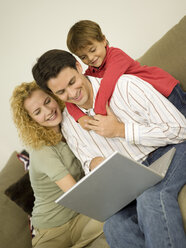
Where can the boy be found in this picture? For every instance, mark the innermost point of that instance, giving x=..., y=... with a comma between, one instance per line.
x=86, y=40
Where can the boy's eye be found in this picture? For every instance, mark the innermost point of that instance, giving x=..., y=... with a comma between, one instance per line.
x=82, y=57
x=93, y=50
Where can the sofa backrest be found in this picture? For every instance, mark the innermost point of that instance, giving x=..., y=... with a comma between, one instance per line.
x=169, y=53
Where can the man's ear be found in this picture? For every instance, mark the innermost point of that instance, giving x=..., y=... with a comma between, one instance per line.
x=79, y=67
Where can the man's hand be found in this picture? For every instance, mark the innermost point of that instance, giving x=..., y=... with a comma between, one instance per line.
x=95, y=162
x=107, y=126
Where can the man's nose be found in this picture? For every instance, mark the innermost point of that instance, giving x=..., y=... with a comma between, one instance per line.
x=71, y=93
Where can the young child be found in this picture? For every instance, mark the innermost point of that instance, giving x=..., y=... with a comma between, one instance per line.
x=86, y=40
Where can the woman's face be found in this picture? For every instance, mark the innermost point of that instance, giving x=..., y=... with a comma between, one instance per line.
x=43, y=109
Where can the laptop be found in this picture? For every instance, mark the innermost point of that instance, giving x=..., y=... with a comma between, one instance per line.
x=113, y=184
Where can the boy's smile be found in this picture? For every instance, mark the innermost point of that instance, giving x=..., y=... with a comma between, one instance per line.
x=94, y=54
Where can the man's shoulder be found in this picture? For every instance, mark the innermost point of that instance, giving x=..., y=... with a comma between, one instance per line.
x=125, y=78
x=127, y=82
x=65, y=115
x=94, y=80
x=67, y=120
x=130, y=83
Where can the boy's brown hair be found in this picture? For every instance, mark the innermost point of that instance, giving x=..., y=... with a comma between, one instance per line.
x=81, y=34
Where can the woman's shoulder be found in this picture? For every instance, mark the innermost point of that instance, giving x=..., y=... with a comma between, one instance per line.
x=48, y=150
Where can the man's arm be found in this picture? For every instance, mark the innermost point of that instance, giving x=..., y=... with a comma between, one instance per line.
x=95, y=162
x=79, y=142
x=160, y=122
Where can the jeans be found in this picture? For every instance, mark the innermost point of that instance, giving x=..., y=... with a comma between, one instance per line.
x=178, y=98
x=154, y=219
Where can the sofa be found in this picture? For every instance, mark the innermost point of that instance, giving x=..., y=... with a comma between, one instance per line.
x=169, y=53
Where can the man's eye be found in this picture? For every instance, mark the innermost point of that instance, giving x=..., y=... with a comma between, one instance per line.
x=60, y=92
x=82, y=58
x=72, y=82
x=48, y=101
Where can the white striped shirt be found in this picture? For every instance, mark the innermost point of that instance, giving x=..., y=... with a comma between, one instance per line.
x=150, y=121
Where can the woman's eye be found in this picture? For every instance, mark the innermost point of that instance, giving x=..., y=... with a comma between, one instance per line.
x=93, y=50
x=37, y=112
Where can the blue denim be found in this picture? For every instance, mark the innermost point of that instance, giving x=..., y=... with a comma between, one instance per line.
x=178, y=98
x=154, y=219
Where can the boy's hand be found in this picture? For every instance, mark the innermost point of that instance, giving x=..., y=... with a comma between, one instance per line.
x=108, y=126
x=84, y=120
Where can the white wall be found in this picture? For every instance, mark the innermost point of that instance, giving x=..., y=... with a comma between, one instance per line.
x=28, y=28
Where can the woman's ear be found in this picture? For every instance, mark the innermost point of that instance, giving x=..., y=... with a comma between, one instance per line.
x=79, y=67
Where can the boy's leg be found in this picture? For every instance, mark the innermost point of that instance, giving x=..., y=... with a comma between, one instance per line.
x=84, y=230
x=159, y=215
x=178, y=98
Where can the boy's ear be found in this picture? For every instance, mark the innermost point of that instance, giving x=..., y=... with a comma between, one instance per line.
x=79, y=67
x=105, y=41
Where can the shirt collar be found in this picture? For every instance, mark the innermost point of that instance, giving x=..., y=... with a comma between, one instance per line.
x=95, y=82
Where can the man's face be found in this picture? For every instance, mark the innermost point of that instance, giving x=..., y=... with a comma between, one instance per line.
x=72, y=86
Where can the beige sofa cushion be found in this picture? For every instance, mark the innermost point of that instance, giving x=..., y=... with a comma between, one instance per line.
x=169, y=53
x=14, y=231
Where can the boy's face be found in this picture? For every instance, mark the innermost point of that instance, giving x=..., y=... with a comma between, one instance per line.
x=72, y=86
x=94, y=54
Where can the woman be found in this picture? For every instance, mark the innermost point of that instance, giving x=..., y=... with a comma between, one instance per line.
x=53, y=170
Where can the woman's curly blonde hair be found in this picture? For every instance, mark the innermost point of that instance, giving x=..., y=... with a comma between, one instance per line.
x=31, y=133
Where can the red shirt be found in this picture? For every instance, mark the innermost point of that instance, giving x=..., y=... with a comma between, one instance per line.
x=115, y=64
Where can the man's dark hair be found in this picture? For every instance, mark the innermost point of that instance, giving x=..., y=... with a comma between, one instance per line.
x=50, y=64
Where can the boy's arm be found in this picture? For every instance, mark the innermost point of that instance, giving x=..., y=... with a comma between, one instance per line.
x=117, y=64
x=74, y=111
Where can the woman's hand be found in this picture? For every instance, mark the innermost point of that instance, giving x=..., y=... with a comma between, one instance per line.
x=107, y=126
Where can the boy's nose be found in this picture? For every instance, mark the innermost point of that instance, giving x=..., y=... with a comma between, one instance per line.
x=90, y=57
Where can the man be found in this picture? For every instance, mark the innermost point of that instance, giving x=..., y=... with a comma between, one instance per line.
x=140, y=124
